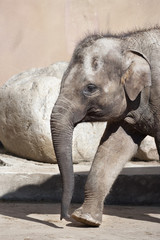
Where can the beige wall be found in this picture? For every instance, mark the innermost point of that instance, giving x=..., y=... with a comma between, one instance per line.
x=36, y=33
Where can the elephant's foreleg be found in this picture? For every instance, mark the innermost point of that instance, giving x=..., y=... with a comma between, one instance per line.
x=118, y=145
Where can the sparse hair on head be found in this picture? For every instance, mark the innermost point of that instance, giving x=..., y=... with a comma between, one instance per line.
x=90, y=38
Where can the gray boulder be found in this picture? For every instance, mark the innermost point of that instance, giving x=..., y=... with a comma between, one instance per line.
x=26, y=102
x=147, y=150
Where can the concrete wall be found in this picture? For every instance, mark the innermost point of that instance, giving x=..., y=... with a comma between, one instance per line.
x=36, y=33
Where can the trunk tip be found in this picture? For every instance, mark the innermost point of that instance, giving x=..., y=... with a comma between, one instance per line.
x=65, y=216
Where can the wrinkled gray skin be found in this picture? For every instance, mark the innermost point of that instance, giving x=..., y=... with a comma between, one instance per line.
x=114, y=79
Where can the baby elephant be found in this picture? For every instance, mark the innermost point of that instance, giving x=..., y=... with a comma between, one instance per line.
x=113, y=78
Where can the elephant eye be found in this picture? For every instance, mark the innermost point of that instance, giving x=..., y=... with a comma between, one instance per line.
x=90, y=89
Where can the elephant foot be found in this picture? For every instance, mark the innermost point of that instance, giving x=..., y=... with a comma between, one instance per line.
x=85, y=218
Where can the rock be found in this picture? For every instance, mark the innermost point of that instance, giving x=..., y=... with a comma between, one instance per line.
x=86, y=138
x=147, y=150
x=26, y=102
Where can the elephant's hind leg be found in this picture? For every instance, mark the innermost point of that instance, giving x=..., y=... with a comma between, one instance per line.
x=157, y=141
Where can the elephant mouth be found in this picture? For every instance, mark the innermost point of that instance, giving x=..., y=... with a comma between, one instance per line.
x=101, y=114
x=94, y=115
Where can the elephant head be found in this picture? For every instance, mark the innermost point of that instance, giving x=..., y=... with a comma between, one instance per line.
x=101, y=80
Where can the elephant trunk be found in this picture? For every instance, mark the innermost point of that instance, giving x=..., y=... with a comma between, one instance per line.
x=63, y=121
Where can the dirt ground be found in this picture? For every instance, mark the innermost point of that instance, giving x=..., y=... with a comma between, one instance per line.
x=40, y=221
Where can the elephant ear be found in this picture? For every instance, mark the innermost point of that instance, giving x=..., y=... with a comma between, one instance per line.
x=138, y=74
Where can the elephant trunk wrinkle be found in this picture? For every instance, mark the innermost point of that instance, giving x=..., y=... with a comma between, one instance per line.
x=64, y=117
x=62, y=132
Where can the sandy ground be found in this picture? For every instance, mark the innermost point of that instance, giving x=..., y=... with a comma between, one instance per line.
x=40, y=221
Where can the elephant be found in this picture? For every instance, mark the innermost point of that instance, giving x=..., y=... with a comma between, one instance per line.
x=113, y=78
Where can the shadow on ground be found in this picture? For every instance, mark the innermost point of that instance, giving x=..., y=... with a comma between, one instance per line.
x=142, y=213
x=131, y=189
x=24, y=210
